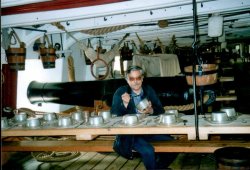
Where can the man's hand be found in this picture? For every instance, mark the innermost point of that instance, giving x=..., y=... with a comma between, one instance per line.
x=125, y=98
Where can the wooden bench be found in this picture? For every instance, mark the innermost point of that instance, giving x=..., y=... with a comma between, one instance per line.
x=207, y=146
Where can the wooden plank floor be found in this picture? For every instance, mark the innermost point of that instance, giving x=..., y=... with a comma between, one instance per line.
x=107, y=161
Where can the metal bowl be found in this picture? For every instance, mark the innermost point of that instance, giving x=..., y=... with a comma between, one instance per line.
x=230, y=111
x=143, y=104
x=21, y=117
x=96, y=120
x=65, y=121
x=167, y=119
x=86, y=115
x=49, y=116
x=4, y=123
x=105, y=114
x=219, y=116
x=130, y=119
x=77, y=116
x=172, y=111
x=33, y=122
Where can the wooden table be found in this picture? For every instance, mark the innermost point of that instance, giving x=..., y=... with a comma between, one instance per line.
x=148, y=126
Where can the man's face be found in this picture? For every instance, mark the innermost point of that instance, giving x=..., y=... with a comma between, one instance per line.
x=135, y=80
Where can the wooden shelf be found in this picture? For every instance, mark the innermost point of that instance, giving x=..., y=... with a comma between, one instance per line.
x=226, y=98
x=226, y=79
x=107, y=146
x=227, y=68
x=111, y=128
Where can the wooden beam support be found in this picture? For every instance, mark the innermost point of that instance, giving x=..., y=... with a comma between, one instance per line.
x=107, y=146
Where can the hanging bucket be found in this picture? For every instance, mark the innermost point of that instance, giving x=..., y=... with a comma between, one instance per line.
x=235, y=158
x=16, y=56
x=206, y=74
x=48, y=55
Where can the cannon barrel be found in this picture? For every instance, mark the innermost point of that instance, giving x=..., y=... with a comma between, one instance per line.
x=171, y=91
x=72, y=93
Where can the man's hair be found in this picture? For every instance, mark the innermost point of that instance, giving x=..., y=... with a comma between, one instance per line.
x=134, y=68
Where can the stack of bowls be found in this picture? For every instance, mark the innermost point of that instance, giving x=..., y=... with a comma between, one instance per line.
x=86, y=115
x=4, y=123
x=65, y=121
x=219, y=117
x=130, y=119
x=105, y=114
x=172, y=111
x=33, y=123
x=21, y=117
x=77, y=116
x=96, y=121
x=167, y=119
x=49, y=117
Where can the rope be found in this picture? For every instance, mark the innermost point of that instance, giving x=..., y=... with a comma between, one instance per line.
x=100, y=31
x=46, y=38
x=187, y=106
x=61, y=27
x=54, y=156
x=26, y=110
x=22, y=44
x=90, y=52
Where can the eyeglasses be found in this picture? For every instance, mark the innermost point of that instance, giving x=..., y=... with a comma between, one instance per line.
x=135, y=78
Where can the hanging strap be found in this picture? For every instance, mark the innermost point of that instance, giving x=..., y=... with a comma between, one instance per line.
x=46, y=38
x=89, y=44
x=13, y=33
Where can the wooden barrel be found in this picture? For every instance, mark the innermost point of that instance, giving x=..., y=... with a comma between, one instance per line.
x=232, y=158
x=206, y=74
x=48, y=57
x=16, y=58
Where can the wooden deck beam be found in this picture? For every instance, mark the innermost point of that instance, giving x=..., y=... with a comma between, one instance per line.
x=107, y=146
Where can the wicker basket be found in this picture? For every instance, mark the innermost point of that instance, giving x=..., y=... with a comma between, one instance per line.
x=206, y=74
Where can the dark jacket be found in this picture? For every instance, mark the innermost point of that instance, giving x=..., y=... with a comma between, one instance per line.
x=123, y=143
x=119, y=109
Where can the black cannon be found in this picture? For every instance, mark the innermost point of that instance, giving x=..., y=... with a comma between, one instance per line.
x=171, y=91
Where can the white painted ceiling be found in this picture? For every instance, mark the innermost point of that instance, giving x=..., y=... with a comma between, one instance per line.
x=141, y=16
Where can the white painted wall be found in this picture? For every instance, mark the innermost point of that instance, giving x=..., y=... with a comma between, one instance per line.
x=34, y=72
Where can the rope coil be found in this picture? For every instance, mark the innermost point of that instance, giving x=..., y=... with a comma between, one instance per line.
x=54, y=156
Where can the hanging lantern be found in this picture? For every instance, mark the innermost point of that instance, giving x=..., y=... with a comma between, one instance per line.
x=215, y=25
